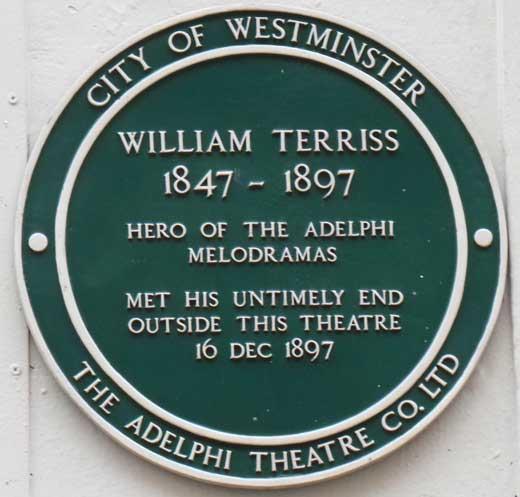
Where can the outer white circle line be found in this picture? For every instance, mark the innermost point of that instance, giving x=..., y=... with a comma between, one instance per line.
x=168, y=464
x=75, y=315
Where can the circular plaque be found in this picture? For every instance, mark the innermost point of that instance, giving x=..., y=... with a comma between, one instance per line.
x=259, y=247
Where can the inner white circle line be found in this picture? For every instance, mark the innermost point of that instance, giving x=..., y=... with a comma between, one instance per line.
x=77, y=320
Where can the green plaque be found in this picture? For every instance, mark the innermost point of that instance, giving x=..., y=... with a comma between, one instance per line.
x=260, y=248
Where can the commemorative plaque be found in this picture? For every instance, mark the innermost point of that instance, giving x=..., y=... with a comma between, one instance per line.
x=260, y=248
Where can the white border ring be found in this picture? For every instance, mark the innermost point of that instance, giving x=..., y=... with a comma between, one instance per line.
x=201, y=475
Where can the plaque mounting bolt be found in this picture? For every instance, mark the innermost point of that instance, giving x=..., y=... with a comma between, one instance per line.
x=483, y=237
x=38, y=242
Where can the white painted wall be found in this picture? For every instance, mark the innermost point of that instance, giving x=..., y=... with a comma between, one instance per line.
x=48, y=448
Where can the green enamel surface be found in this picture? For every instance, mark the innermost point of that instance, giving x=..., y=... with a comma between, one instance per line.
x=261, y=93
